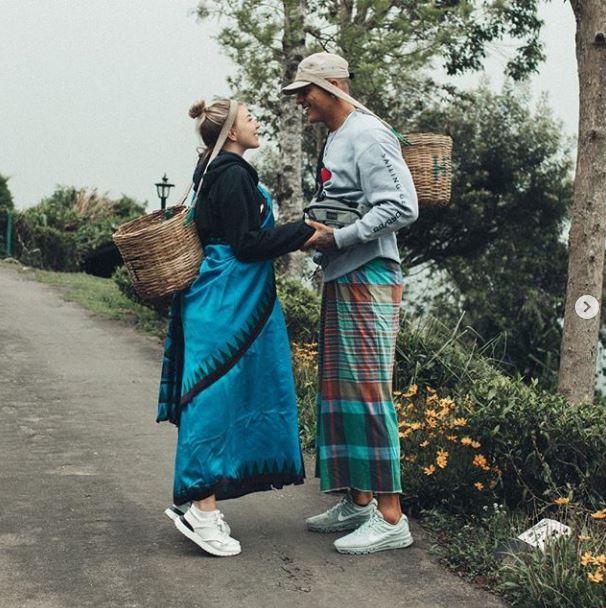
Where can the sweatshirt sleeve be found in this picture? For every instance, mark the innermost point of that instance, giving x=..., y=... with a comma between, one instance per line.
x=237, y=199
x=388, y=187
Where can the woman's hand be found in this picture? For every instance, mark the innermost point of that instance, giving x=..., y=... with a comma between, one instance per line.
x=322, y=239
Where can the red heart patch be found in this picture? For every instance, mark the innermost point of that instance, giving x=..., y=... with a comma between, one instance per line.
x=325, y=174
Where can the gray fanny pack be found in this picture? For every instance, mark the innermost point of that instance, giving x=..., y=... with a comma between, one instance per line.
x=333, y=212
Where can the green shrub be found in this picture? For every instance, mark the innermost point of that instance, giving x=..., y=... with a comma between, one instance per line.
x=59, y=232
x=301, y=308
x=305, y=368
x=542, y=445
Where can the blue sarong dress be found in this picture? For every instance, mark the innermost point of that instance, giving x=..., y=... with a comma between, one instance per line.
x=227, y=380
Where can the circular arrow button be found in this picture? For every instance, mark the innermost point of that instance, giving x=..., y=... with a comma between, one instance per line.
x=587, y=307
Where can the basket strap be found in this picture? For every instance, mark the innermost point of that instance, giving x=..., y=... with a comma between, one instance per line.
x=227, y=125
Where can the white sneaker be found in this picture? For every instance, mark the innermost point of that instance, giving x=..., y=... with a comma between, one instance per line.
x=345, y=515
x=374, y=535
x=174, y=512
x=209, y=533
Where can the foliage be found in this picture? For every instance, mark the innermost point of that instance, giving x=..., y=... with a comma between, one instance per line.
x=390, y=46
x=500, y=241
x=441, y=463
x=387, y=43
x=468, y=544
x=542, y=446
x=301, y=309
x=64, y=228
x=305, y=368
x=569, y=573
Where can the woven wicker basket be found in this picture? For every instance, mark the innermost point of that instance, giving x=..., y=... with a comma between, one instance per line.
x=429, y=159
x=162, y=255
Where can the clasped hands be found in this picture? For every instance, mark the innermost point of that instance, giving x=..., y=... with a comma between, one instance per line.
x=322, y=239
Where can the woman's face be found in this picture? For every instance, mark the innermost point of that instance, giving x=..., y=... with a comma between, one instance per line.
x=246, y=129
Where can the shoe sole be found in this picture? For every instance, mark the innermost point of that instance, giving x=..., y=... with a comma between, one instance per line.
x=173, y=513
x=184, y=528
x=367, y=550
x=336, y=528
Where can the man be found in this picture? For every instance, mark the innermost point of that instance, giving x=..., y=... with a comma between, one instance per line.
x=357, y=445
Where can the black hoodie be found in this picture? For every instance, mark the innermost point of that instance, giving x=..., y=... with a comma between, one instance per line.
x=230, y=208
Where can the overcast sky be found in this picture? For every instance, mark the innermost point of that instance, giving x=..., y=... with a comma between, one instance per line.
x=96, y=93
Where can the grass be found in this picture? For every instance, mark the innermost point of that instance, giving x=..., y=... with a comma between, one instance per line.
x=102, y=297
x=569, y=574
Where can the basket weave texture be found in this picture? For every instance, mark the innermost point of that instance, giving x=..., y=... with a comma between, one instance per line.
x=429, y=158
x=162, y=255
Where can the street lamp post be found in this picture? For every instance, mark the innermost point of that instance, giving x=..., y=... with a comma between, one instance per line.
x=163, y=189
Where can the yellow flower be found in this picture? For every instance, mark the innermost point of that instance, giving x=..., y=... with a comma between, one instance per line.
x=415, y=426
x=412, y=458
x=459, y=422
x=412, y=390
x=452, y=438
x=431, y=413
x=442, y=459
x=424, y=444
x=561, y=501
x=404, y=434
x=446, y=402
x=599, y=514
x=478, y=486
x=429, y=389
x=600, y=560
x=466, y=440
x=587, y=558
x=584, y=538
x=430, y=470
x=597, y=576
x=481, y=462
x=476, y=445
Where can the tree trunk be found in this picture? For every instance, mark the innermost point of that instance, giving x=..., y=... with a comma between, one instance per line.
x=588, y=227
x=290, y=190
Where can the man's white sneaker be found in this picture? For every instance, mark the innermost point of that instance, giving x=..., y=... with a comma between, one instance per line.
x=345, y=515
x=374, y=535
x=209, y=533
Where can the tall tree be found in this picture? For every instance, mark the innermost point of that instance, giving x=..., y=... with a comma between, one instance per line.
x=499, y=243
x=588, y=226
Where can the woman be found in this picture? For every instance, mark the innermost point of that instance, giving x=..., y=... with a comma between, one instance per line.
x=227, y=379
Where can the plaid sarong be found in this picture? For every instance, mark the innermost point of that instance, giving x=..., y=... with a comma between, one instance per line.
x=357, y=444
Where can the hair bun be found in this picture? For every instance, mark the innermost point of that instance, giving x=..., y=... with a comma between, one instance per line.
x=197, y=109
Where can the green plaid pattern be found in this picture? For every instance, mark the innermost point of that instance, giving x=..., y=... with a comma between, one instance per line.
x=357, y=444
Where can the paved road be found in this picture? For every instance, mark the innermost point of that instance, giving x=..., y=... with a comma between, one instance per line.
x=86, y=474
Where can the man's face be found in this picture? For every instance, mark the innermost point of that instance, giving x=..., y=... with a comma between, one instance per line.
x=315, y=102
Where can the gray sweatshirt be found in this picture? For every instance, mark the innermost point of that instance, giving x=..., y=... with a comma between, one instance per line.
x=365, y=165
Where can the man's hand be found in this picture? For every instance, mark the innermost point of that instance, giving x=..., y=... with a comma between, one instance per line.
x=322, y=240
